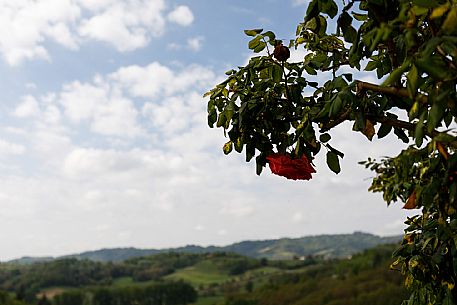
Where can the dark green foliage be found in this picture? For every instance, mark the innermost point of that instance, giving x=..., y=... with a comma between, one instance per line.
x=7, y=299
x=166, y=293
x=69, y=298
x=364, y=279
x=63, y=272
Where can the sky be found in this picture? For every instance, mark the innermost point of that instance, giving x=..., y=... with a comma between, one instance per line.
x=104, y=140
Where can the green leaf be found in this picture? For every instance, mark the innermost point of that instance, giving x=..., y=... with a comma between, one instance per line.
x=384, y=130
x=313, y=10
x=413, y=81
x=310, y=70
x=325, y=137
x=336, y=151
x=349, y=33
x=426, y=3
x=254, y=42
x=371, y=65
x=228, y=147
x=336, y=106
x=250, y=151
x=333, y=162
x=330, y=8
x=414, y=111
x=396, y=74
x=453, y=192
x=317, y=25
x=444, y=138
x=419, y=10
x=271, y=36
x=401, y=135
x=435, y=115
x=260, y=163
x=239, y=145
x=276, y=73
x=419, y=130
x=348, y=76
x=359, y=17
x=439, y=11
x=253, y=32
x=212, y=118
x=221, y=120
x=344, y=20
x=260, y=47
x=450, y=23
x=434, y=67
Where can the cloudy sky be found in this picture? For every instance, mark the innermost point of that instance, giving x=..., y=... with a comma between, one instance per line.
x=104, y=141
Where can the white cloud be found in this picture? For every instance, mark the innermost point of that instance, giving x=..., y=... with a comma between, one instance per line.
x=28, y=108
x=11, y=148
x=62, y=35
x=96, y=5
x=26, y=25
x=108, y=103
x=126, y=25
x=104, y=108
x=199, y=228
x=195, y=43
x=181, y=15
x=297, y=217
x=156, y=80
x=237, y=209
x=90, y=162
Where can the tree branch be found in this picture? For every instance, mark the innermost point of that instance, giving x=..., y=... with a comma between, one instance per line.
x=343, y=117
x=400, y=92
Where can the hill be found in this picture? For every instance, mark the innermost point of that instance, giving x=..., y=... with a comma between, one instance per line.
x=206, y=279
x=325, y=246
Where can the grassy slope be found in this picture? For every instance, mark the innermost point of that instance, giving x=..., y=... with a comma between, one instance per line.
x=203, y=273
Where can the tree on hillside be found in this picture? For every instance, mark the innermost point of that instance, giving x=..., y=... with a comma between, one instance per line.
x=273, y=110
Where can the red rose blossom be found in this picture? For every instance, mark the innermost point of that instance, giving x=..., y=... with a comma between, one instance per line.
x=296, y=169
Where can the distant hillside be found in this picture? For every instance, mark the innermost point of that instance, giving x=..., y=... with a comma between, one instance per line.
x=326, y=246
x=26, y=260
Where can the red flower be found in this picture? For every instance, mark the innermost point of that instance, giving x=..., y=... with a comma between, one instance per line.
x=296, y=169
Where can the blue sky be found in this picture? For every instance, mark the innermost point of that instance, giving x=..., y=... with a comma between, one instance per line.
x=104, y=141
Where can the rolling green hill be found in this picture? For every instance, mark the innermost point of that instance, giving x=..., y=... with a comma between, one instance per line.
x=326, y=246
x=219, y=278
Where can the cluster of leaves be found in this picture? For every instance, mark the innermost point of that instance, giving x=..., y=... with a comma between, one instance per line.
x=270, y=106
x=424, y=178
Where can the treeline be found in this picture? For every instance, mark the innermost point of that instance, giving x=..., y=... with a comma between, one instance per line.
x=364, y=279
x=167, y=293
